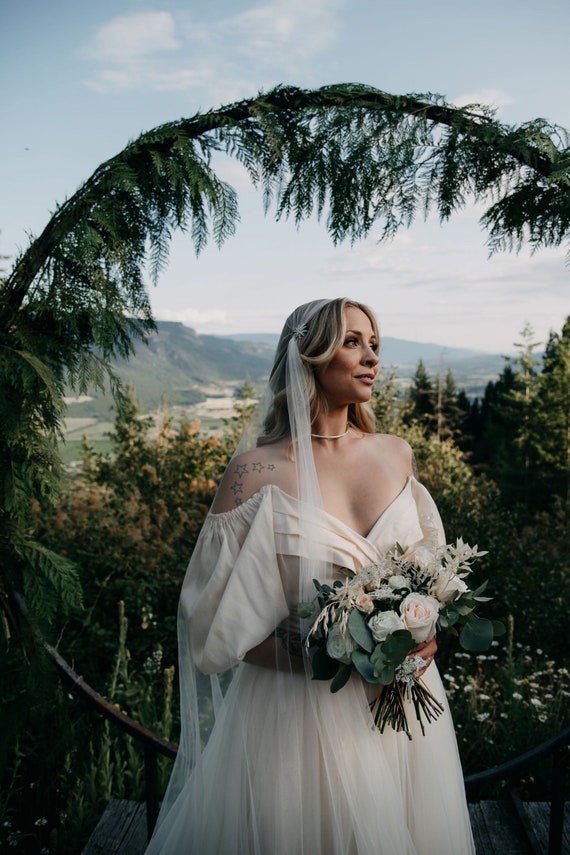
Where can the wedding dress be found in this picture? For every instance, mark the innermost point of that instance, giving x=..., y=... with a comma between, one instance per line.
x=290, y=768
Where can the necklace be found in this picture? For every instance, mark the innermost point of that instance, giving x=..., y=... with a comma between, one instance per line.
x=324, y=435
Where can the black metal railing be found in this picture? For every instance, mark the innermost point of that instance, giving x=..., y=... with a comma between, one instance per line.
x=153, y=745
x=557, y=748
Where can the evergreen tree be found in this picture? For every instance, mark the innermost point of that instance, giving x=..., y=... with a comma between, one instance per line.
x=421, y=398
x=551, y=440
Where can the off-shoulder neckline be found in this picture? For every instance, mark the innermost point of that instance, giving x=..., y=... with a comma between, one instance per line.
x=258, y=496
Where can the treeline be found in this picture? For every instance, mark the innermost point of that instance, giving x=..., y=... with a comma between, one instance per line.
x=518, y=433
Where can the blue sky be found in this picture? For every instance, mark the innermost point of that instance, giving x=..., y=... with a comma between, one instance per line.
x=80, y=80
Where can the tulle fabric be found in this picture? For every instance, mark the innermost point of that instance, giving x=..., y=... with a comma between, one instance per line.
x=278, y=764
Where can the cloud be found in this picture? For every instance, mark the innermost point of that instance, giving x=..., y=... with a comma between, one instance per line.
x=132, y=38
x=155, y=51
x=135, y=52
x=195, y=317
x=285, y=32
x=495, y=98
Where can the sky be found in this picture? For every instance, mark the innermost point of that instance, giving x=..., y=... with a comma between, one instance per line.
x=80, y=80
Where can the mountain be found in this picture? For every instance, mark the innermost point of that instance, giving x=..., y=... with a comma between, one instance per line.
x=188, y=367
x=472, y=368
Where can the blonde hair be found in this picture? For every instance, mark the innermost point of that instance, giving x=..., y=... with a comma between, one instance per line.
x=321, y=338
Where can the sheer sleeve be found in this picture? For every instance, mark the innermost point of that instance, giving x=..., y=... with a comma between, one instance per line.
x=233, y=595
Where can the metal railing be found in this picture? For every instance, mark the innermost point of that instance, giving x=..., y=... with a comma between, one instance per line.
x=153, y=745
x=557, y=748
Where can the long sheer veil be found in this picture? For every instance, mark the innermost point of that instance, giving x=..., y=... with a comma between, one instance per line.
x=205, y=699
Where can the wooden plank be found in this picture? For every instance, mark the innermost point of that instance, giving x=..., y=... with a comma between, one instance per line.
x=504, y=828
x=538, y=817
x=481, y=836
x=497, y=830
x=120, y=831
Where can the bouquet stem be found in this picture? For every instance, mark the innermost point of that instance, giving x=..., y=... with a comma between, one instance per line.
x=389, y=707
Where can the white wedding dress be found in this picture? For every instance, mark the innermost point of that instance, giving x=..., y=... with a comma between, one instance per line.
x=290, y=768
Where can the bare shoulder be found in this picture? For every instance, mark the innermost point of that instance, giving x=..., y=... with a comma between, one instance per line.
x=247, y=473
x=387, y=446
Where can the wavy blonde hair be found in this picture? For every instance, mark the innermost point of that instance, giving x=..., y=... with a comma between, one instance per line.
x=323, y=337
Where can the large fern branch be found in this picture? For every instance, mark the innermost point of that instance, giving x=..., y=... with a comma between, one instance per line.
x=395, y=155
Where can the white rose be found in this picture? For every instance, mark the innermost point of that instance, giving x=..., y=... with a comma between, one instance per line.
x=384, y=623
x=398, y=582
x=340, y=645
x=420, y=614
x=447, y=584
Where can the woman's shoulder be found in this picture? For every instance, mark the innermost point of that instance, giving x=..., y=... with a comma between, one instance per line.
x=248, y=472
x=387, y=446
x=389, y=442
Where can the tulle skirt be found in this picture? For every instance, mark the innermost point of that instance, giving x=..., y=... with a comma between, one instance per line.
x=291, y=769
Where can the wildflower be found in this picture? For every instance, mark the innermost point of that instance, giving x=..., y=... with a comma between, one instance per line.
x=482, y=716
x=539, y=651
x=504, y=715
x=468, y=687
x=536, y=703
x=542, y=717
x=484, y=698
x=41, y=821
x=517, y=696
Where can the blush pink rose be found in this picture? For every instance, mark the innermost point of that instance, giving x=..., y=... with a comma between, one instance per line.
x=420, y=614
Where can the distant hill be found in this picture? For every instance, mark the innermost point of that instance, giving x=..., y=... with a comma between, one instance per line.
x=472, y=368
x=188, y=367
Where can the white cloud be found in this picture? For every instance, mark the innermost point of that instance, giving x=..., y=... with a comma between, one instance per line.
x=157, y=51
x=137, y=52
x=195, y=317
x=495, y=98
x=135, y=37
x=286, y=32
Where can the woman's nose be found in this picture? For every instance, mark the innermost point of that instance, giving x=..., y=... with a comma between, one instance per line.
x=370, y=357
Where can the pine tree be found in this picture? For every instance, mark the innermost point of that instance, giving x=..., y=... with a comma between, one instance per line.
x=422, y=399
x=552, y=437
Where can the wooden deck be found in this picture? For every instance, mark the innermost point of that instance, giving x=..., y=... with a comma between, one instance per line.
x=499, y=828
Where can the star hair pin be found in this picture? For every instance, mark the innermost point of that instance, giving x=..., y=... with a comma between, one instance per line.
x=299, y=331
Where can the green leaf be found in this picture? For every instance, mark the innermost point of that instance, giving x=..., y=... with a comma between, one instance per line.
x=359, y=631
x=342, y=677
x=305, y=610
x=476, y=635
x=498, y=628
x=362, y=664
x=397, y=646
x=324, y=668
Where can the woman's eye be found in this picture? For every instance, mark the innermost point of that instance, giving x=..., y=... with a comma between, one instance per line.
x=351, y=341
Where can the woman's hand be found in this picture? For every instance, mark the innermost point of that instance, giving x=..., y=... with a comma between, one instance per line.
x=427, y=650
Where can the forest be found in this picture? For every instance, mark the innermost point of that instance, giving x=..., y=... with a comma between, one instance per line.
x=499, y=469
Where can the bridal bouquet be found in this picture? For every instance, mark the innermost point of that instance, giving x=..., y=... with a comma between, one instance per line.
x=372, y=620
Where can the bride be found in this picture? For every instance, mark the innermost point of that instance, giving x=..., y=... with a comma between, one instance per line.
x=279, y=765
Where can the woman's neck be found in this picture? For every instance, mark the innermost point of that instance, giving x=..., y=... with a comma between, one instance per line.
x=331, y=426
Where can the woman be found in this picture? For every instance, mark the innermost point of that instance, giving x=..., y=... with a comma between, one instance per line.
x=289, y=767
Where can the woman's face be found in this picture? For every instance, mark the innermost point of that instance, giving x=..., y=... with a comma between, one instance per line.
x=350, y=375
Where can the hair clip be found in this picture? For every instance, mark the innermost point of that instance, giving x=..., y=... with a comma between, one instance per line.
x=299, y=331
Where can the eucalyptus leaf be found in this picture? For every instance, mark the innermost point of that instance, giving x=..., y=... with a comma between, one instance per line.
x=341, y=678
x=362, y=664
x=498, y=627
x=359, y=631
x=476, y=635
x=324, y=668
